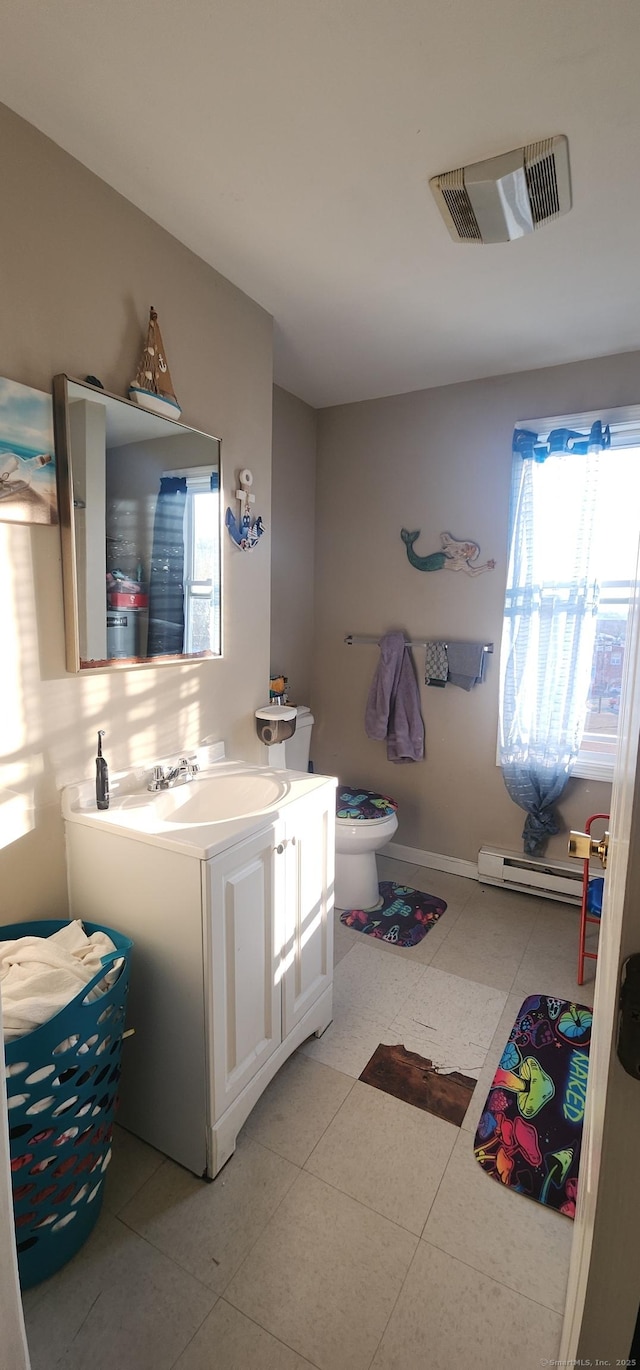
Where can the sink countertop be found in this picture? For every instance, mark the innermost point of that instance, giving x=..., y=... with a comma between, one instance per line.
x=177, y=818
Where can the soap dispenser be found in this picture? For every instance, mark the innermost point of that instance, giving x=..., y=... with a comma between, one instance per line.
x=102, y=776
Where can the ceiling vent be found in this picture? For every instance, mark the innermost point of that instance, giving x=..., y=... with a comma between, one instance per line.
x=508, y=196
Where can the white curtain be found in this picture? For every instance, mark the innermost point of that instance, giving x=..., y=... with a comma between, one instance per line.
x=549, y=619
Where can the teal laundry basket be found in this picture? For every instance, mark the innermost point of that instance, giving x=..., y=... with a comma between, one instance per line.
x=62, y=1082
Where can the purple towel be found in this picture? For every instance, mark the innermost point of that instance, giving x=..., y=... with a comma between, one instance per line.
x=393, y=705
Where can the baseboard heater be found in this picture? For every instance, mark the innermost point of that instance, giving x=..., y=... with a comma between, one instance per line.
x=531, y=875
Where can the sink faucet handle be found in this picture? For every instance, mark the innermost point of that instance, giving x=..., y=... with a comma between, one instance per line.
x=189, y=764
x=157, y=777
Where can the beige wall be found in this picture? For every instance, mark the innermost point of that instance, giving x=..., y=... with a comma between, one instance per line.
x=292, y=555
x=434, y=459
x=80, y=267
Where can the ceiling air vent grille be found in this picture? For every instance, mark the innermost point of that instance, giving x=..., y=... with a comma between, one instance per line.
x=508, y=196
x=542, y=181
x=451, y=187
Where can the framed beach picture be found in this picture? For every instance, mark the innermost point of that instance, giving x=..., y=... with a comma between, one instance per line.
x=27, y=455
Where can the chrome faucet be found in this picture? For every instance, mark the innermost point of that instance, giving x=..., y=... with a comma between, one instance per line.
x=180, y=774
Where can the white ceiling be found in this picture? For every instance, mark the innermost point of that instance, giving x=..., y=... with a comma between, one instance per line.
x=290, y=142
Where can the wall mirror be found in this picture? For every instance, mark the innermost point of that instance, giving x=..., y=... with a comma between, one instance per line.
x=140, y=518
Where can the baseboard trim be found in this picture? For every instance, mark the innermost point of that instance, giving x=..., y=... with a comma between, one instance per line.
x=416, y=857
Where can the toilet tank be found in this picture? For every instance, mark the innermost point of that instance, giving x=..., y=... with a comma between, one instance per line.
x=297, y=748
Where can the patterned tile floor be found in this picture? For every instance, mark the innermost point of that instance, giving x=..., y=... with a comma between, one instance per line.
x=349, y=1230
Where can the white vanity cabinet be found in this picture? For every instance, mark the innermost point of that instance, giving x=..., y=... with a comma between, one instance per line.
x=232, y=962
x=269, y=956
x=243, y=898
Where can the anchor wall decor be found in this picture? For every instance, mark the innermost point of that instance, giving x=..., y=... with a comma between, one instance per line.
x=244, y=532
x=454, y=555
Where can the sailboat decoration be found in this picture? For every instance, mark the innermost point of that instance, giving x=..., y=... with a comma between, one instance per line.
x=152, y=387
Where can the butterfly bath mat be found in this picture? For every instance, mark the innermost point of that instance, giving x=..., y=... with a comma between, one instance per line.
x=404, y=918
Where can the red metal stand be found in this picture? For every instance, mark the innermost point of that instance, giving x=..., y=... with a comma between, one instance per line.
x=586, y=917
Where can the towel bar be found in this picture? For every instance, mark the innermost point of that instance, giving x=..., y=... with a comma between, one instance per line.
x=360, y=640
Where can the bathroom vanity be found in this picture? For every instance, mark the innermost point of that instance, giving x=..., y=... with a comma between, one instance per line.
x=225, y=885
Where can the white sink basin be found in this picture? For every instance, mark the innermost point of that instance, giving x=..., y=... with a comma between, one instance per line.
x=220, y=805
x=214, y=798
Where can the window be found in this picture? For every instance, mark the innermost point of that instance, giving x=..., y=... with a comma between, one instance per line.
x=187, y=559
x=597, y=753
x=201, y=553
x=615, y=547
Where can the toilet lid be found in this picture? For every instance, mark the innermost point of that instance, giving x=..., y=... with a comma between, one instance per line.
x=354, y=805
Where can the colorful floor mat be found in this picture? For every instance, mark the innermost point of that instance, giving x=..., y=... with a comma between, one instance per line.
x=404, y=917
x=530, y=1133
x=416, y=1080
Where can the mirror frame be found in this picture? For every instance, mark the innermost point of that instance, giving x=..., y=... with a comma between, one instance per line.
x=64, y=477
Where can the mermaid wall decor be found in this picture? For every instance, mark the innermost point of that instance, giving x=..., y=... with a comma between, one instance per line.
x=454, y=555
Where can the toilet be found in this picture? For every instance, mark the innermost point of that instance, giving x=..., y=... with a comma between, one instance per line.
x=365, y=821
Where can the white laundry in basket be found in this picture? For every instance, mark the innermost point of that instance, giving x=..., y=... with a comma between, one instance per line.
x=39, y=975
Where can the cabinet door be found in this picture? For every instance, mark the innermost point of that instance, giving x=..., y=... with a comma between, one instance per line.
x=245, y=889
x=308, y=946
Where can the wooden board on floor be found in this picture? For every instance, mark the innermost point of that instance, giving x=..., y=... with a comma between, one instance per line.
x=416, y=1080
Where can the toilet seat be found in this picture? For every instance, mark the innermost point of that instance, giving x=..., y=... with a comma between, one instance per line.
x=355, y=805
